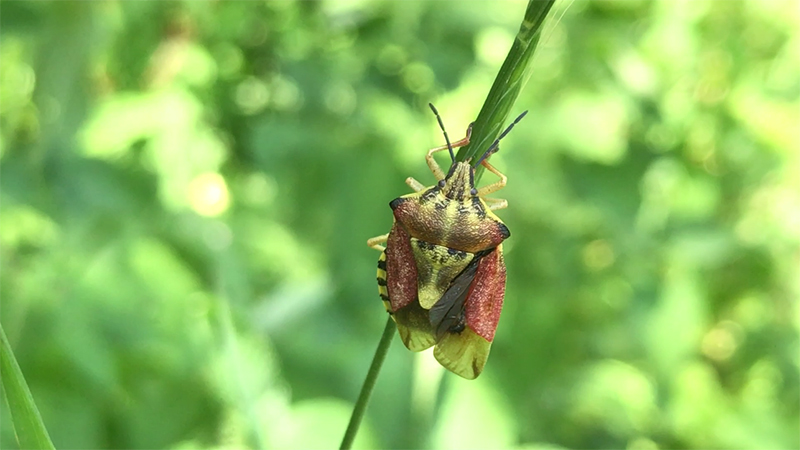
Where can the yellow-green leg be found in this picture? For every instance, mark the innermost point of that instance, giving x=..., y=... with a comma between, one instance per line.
x=495, y=203
x=494, y=187
x=377, y=240
x=434, y=166
x=415, y=185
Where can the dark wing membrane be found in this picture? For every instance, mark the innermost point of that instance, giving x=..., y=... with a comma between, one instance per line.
x=464, y=348
x=448, y=313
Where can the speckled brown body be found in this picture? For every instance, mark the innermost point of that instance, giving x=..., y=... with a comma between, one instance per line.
x=442, y=275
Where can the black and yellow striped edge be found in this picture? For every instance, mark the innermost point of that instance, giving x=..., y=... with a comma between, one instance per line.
x=382, y=290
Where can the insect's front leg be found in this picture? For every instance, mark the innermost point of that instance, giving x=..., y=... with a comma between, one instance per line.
x=434, y=166
x=494, y=187
x=377, y=240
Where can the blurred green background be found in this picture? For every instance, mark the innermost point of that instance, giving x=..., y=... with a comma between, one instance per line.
x=187, y=189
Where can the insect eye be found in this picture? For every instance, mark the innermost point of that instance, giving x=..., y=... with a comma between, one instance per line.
x=473, y=191
x=441, y=183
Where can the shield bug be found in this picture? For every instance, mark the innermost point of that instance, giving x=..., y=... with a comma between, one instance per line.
x=441, y=273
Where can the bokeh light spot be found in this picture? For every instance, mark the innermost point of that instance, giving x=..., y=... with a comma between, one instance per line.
x=418, y=77
x=208, y=194
x=492, y=45
x=286, y=96
x=391, y=59
x=598, y=255
x=340, y=98
x=252, y=95
x=721, y=342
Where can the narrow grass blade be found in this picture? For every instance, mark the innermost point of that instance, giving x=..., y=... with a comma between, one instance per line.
x=510, y=80
x=28, y=425
x=369, y=384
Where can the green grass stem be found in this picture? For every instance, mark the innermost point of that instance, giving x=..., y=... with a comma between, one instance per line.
x=510, y=80
x=28, y=425
x=369, y=384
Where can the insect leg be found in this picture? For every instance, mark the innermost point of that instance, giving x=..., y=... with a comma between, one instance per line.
x=437, y=171
x=494, y=187
x=377, y=240
x=434, y=166
x=415, y=185
x=495, y=203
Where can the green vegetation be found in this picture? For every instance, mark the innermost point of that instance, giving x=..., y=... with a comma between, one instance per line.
x=186, y=190
x=28, y=426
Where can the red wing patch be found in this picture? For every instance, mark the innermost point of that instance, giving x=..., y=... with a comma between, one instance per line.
x=401, y=269
x=485, y=299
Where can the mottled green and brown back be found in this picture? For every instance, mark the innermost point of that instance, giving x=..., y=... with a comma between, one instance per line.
x=442, y=237
x=452, y=215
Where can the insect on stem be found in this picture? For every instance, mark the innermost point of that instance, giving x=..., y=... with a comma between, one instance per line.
x=493, y=147
x=446, y=138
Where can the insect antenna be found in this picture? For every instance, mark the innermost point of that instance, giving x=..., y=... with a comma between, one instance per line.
x=493, y=147
x=441, y=125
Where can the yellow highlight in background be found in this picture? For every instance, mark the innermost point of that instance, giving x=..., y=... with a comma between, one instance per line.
x=208, y=194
